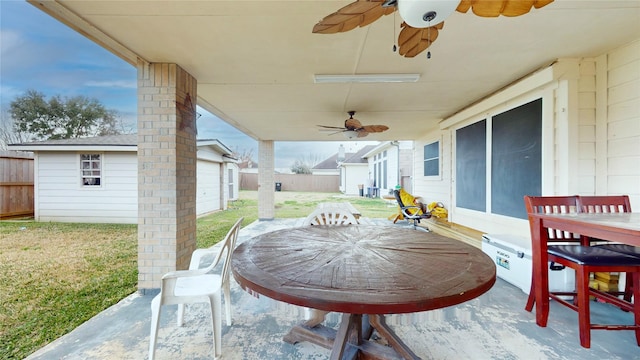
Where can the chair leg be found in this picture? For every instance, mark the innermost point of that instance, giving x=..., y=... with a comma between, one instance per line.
x=582, y=300
x=531, y=300
x=634, y=280
x=155, y=321
x=215, y=301
x=628, y=286
x=180, y=315
x=227, y=301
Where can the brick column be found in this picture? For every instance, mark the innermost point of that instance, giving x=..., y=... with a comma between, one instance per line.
x=166, y=171
x=266, y=180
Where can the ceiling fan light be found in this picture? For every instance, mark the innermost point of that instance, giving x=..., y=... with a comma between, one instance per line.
x=350, y=134
x=425, y=13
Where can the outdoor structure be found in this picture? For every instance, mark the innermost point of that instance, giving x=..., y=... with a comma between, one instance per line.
x=94, y=180
x=350, y=166
x=355, y=172
x=328, y=166
x=391, y=164
x=571, y=111
x=377, y=169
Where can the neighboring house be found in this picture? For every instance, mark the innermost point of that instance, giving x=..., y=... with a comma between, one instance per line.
x=328, y=166
x=570, y=128
x=390, y=164
x=351, y=167
x=354, y=172
x=96, y=179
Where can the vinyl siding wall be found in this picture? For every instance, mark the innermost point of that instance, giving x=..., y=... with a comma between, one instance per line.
x=590, y=134
x=622, y=174
x=354, y=175
x=60, y=196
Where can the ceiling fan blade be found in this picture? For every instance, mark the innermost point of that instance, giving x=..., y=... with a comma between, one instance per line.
x=412, y=41
x=352, y=124
x=500, y=7
x=375, y=128
x=358, y=13
x=362, y=133
x=331, y=127
x=336, y=132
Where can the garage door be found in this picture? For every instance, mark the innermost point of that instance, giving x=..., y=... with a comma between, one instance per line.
x=208, y=187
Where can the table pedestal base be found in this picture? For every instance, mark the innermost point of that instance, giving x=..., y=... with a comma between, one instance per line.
x=352, y=339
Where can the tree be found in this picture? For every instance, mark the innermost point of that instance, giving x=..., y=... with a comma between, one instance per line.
x=60, y=118
x=304, y=164
x=243, y=155
x=7, y=133
x=299, y=167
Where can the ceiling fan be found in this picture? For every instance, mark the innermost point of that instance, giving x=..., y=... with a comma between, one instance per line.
x=353, y=128
x=422, y=18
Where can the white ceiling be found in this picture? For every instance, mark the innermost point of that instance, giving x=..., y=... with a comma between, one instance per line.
x=255, y=60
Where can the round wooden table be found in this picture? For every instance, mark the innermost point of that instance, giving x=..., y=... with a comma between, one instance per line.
x=363, y=272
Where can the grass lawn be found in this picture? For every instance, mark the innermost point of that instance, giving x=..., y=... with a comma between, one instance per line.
x=55, y=276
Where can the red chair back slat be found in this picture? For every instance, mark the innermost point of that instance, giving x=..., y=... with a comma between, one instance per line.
x=554, y=205
x=604, y=204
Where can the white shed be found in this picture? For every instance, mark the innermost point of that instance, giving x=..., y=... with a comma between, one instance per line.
x=95, y=180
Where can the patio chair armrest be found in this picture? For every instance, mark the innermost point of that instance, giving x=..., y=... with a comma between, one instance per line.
x=182, y=274
x=412, y=207
x=405, y=209
x=198, y=254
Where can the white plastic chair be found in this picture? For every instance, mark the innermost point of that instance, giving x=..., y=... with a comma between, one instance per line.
x=211, y=252
x=325, y=216
x=195, y=286
x=330, y=216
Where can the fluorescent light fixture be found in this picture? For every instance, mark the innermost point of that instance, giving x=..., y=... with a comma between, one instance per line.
x=366, y=78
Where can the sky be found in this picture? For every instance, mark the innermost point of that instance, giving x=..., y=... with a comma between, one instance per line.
x=39, y=53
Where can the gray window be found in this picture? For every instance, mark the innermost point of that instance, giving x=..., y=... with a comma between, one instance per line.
x=432, y=159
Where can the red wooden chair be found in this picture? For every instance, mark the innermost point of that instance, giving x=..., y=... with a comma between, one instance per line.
x=612, y=204
x=551, y=205
x=584, y=259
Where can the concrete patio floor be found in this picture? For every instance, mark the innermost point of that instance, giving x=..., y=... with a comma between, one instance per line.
x=492, y=326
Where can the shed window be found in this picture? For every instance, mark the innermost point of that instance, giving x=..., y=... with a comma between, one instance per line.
x=91, y=169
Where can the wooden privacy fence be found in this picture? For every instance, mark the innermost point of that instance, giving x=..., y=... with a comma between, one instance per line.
x=16, y=184
x=295, y=182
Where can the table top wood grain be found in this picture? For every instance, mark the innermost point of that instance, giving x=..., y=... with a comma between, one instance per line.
x=362, y=269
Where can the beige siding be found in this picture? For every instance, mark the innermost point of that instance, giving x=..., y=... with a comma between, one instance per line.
x=587, y=127
x=623, y=126
x=591, y=134
x=434, y=188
